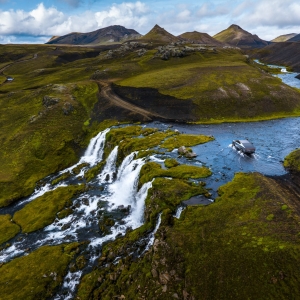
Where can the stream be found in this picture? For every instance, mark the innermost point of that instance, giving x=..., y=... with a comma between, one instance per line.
x=114, y=192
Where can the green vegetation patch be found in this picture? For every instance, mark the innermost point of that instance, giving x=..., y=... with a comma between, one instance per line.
x=292, y=161
x=187, y=140
x=168, y=194
x=133, y=138
x=8, y=229
x=171, y=162
x=42, y=211
x=151, y=170
x=37, y=275
x=225, y=250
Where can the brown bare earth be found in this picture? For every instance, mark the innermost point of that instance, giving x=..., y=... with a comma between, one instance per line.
x=148, y=105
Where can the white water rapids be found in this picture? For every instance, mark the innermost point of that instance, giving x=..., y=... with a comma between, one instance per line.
x=119, y=192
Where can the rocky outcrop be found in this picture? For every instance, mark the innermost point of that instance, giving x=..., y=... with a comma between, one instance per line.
x=67, y=108
x=179, y=50
x=187, y=152
x=49, y=101
x=137, y=47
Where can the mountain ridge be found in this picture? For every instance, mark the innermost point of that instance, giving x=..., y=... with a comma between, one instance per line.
x=110, y=34
x=236, y=36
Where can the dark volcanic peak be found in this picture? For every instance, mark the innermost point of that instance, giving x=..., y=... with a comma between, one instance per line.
x=110, y=34
x=296, y=38
x=234, y=35
x=199, y=38
x=284, y=37
x=159, y=34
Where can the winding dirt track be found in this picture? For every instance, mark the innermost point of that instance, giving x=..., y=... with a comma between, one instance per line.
x=106, y=91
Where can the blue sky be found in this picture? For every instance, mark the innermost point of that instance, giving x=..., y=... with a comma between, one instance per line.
x=33, y=21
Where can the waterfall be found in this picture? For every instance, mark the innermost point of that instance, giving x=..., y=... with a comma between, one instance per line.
x=180, y=209
x=138, y=207
x=95, y=150
x=152, y=234
x=110, y=167
x=128, y=159
x=123, y=191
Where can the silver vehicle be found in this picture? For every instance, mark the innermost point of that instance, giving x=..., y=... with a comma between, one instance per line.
x=244, y=145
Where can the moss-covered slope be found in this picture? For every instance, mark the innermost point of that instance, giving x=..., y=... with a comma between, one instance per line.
x=37, y=275
x=245, y=246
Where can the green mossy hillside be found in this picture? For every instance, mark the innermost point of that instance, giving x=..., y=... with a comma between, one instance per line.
x=292, y=161
x=43, y=210
x=8, y=229
x=37, y=275
x=231, y=249
x=225, y=86
x=38, y=140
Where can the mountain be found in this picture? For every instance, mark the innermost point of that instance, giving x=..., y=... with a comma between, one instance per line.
x=234, y=35
x=159, y=34
x=285, y=53
x=110, y=34
x=296, y=38
x=284, y=37
x=199, y=38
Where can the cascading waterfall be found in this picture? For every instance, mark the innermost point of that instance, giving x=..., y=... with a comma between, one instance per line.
x=123, y=191
x=128, y=159
x=109, y=171
x=138, y=208
x=95, y=150
x=152, y=234
x=83, y=222
x=179, y=210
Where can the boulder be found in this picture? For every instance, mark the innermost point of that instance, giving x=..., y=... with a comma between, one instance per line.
x=49, y=101
x=187, y=152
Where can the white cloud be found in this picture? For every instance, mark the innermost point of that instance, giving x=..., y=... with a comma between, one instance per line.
x=263, y=17
x=279, y=13
x=50, y=21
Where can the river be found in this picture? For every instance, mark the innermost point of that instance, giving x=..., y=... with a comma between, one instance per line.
x=119, y=198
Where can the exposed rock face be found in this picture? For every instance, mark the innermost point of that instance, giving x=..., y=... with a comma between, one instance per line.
x=49, y=101
x=67, y=108
x=105, y=35
x=236, y=36
x=139, y=48
x=179, y=50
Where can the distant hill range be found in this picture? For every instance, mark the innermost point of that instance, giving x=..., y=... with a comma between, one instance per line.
x=107, y=35
x=199, y=38
x=296, y=38
x=285, y=53
x=238, y=37
x=284, y=38
x=160, y=35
